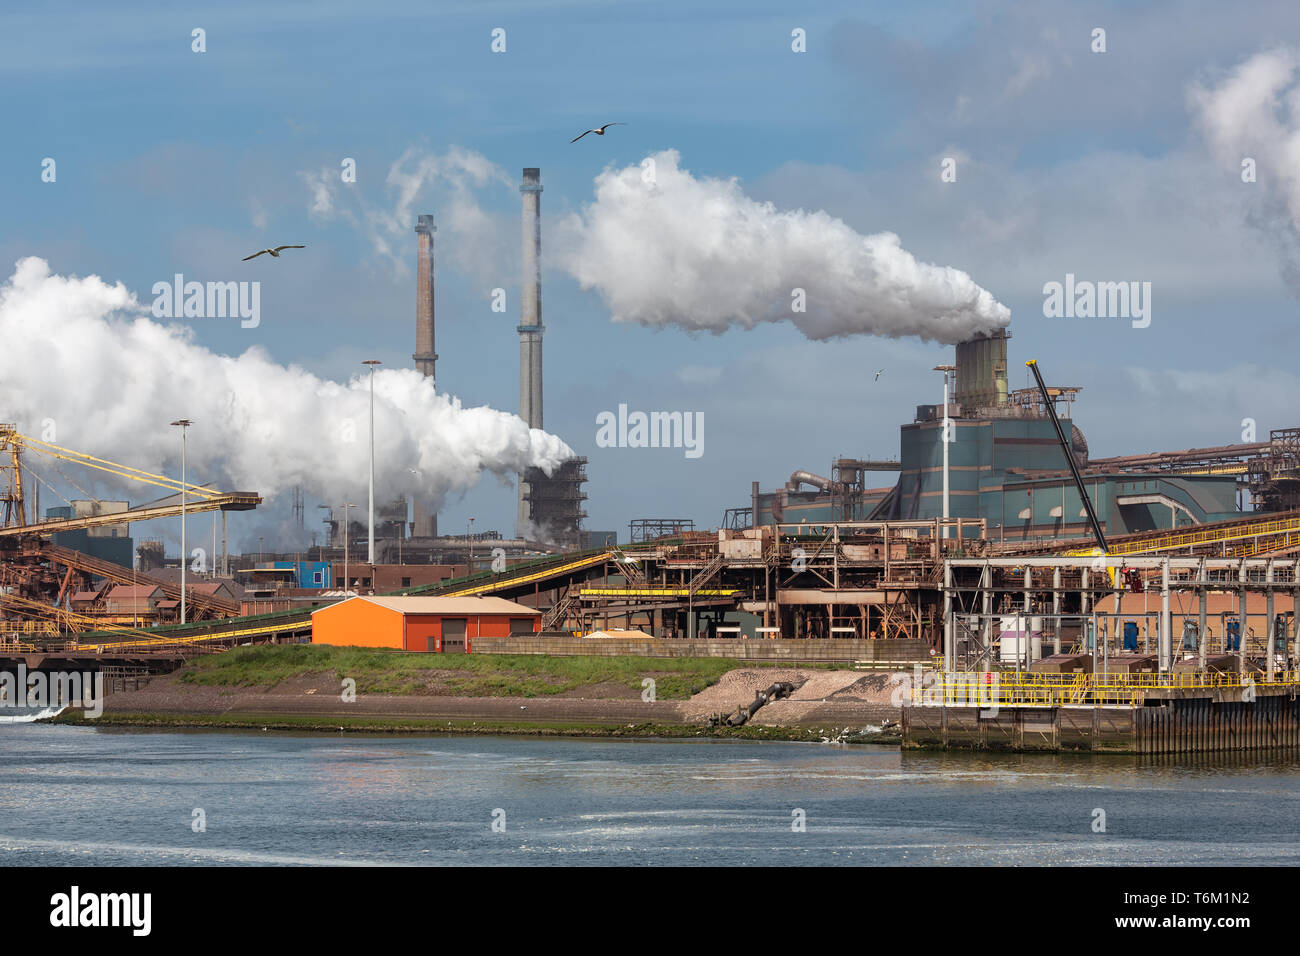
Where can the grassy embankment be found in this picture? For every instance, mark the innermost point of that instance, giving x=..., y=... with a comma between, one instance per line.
x=382, y=671
x=415, y=725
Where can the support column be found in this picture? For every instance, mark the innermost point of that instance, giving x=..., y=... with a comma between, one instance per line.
x=1268, y=618
x=949, y=648
x=1241, y=617
x=1204, y=602
x=1166, y=622
x=986, y=585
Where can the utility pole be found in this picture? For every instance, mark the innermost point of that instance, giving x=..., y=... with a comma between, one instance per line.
x=183, y=424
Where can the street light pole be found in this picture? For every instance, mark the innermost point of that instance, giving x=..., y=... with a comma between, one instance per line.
x=469, y=533
x=184, y=424
x=372, y=363
x=947, y=437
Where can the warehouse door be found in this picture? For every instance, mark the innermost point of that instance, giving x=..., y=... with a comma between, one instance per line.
x=453, y=635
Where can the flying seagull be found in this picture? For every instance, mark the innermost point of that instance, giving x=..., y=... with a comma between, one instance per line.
x=878, y=371
x=275, y=252
x=599, y=131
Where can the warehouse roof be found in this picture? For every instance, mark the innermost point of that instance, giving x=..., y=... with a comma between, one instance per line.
x=446, y=605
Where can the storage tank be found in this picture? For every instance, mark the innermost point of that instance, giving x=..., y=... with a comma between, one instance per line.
x=1017, y=630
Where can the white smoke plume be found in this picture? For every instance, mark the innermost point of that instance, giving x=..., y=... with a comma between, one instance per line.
x=1253, y=113
x=664, y=247
x=468, y=237
x=83, y=356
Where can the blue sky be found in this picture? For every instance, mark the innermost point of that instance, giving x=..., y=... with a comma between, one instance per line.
x=1069, y=161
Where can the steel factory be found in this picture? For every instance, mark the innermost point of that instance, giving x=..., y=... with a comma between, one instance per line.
x=1143, y=602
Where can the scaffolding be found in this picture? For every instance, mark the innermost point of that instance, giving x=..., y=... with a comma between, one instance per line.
x=1061, y=602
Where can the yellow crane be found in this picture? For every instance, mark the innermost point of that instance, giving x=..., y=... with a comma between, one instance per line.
x=13, y=513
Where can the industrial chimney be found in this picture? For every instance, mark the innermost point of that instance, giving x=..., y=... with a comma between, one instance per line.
x=530, y=319
x=982, y=371
x=426, y=523
x=425, y=357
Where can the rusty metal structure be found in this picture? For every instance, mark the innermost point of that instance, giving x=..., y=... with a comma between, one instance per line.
x=38, y=578
x=845, y=580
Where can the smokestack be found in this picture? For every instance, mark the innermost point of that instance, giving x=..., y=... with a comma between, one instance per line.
x=425, y=522
x=425, y=357
x=982, y=371
x=530, y=318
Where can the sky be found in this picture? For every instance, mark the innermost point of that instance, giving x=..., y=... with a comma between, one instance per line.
x=776, y=167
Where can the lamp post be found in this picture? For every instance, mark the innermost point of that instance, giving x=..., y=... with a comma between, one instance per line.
x=346, y=536
x=947, y=437
x=183, y=424
x=372, y=363
x=469, y=536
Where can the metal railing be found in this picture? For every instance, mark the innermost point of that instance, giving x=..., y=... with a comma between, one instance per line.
x=1011, y=689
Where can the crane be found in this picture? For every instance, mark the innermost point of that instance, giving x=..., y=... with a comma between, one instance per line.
x=1032, y=364
x=13, y=513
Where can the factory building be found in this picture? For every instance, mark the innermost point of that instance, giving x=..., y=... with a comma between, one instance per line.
x=1006, y=466
x=440, y=625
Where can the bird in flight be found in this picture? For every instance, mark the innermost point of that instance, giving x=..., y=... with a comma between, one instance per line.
x=599, y=131
x=878, y=371
x=275, y=252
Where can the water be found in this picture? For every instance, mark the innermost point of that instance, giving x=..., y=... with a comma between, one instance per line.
x=81, y=796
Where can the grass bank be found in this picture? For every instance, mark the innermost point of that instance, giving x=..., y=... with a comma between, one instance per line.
x=383, y=671
x=388, y=725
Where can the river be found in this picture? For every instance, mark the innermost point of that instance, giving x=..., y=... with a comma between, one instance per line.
x=82, y=796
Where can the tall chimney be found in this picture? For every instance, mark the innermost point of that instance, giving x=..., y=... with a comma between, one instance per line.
x=424, y=521
x=530, y=318
x=425, y=357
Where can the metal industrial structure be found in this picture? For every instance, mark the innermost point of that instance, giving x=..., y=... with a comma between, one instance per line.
x=549, y=506
x=38, y=577
x=1006, y=467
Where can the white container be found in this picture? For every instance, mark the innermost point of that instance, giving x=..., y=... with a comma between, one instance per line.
x=1014, y=638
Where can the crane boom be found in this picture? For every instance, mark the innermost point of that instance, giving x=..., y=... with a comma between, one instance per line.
x=1069, y=458
x=199, y=497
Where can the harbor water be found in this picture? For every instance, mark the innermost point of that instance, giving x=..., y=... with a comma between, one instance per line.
x=82, y=796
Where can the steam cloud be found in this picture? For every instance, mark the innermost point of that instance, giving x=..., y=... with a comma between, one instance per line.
x=468, y=237
x=698, y=253
x=1254, y=112
x=83, y=354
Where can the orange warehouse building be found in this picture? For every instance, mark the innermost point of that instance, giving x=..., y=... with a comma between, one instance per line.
x=439, y=625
